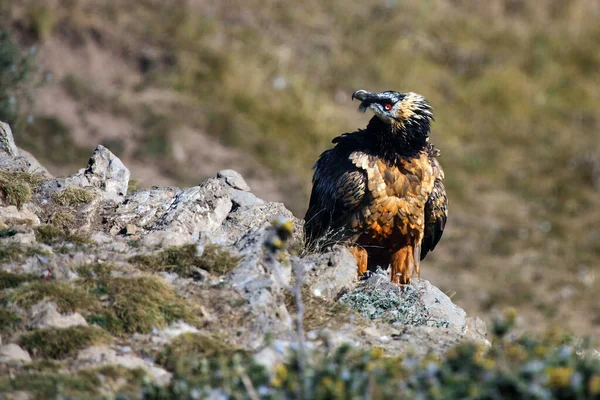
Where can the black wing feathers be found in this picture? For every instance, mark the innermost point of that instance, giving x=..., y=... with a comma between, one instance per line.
x=436, y=214
x=338, y=189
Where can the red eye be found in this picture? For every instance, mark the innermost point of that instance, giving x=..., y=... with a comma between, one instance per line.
x=387, y=107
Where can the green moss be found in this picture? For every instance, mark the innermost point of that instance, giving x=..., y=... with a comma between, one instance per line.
x=83, y=384
x=17, y=187
x=58, y=343
x=43, y=366
x=188, y=347
x=67, y=297
x=52, y=235
x=10, y=253
x=10, y=279
x=15, y=252
x=48, y=234
x=9, y=320
x=136, y=305
x=182, y=260
x=93, y=274
x=73, y=196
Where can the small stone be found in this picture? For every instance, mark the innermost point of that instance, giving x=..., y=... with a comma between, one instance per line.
x=371, y=331
x=131, y=229
x=13, y=354
x=46, y=315
x=244, y=199
x=162, y=239
x=234, y=179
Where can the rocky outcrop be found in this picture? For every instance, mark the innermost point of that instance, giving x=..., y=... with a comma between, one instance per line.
x=112, y=277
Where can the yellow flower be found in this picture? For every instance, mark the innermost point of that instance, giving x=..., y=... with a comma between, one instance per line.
x=510, y=315
x=489, y=364
x=559, y=376
x=594, y=385
x=281, y=373
x=540, y=351
x=377, y=353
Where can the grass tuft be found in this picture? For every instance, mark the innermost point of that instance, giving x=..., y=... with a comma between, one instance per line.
x=134, y=305
x=53, y=235
x=17, y=187
x=58, y=343
x=9, y=320
x=73, y=196
x=15, y=252
x=67, y=297
x=187, y=347
x=183, y=260
x=46, y=383
x=10, y=280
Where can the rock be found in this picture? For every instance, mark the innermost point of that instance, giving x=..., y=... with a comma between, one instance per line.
x=108, y=172
x=269, y=358
x=131, y=229
x=233, y=179
x=19, y=235
x=244, y=199
x=476, y=330
x=46, y=315
x=163, y=239
x=143, y=208
x=11, y=215
x=100, y=238
x=200, y=209
x=330, y=273
x=260, y=279
x=7, y=141
x=97, y=356
x=13, y=354
x=105, y=172
x=250, y=217
x=439, y=306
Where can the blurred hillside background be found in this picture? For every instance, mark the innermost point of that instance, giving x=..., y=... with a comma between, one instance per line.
x=182, y=89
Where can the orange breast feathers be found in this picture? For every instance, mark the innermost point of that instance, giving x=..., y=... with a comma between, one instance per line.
x=396, y=197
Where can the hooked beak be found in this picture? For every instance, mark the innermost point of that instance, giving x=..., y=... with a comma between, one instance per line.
x=365, y=97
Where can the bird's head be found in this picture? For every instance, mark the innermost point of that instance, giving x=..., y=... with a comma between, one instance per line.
x=399, y=110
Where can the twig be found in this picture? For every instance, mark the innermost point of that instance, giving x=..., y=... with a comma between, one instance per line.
x=249, y=386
